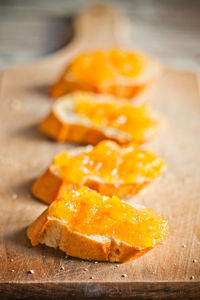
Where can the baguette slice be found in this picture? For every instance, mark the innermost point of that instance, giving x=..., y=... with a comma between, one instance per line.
x=87, y=225
x=107, y=168
x=89, y=118
x=118, y=72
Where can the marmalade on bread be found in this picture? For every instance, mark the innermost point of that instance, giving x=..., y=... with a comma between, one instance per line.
x=117, y=71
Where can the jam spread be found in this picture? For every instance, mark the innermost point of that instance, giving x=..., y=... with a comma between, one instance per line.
x=90, y=213
x=135, y=120
x=112, y=163
x=100, y=67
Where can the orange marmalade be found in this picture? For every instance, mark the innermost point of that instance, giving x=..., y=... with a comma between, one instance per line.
x=90, y=213
x=112, y=163
x=98, y=68
x=136, y=120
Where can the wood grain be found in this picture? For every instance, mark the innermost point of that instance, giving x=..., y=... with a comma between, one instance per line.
x=165, y=271
x=168, y=29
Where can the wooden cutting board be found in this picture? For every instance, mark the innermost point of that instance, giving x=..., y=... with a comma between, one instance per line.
x=168, y=270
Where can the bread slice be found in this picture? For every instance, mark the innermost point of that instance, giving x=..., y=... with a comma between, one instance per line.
x=118, y=72
x=87, y=225
x=107, y=168
x=89, y=118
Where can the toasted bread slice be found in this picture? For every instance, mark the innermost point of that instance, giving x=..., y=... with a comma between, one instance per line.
x=89, y=118
x=107, y=168
x=113, y=71
x=85, y=224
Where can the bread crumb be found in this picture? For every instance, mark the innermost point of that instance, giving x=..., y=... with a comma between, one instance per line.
x=11, y=259
x=192, y=277
x=31, y=271
x=14, y=196
x=124, y=275
x=86, y=270
x=91, y=277
x=194, y=260
x=62, y=268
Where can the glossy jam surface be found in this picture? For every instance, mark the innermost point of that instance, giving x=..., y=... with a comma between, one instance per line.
x=112, y=163
x=88, y=212
x=99, y=67
x=135, y=120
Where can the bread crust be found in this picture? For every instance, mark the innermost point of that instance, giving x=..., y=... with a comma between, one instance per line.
x=47, y=186
x=55, y=233
x=125, y=191
x=55, y=128
x=64, y=124
x=127, y=88
x=51, y=186
x=64, y=86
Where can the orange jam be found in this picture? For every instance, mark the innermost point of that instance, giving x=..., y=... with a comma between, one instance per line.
x=88, y=212
x=100, y=67
x=135, y=120
x=112, y=163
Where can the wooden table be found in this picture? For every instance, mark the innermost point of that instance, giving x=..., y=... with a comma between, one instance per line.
x=165, y=272
x=168, y=29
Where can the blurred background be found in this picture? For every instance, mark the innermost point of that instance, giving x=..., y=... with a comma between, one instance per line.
x=169, y=29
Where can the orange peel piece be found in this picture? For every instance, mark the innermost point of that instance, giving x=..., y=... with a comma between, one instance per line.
x=85, y=224
x=89, y=118
x=117, y=72
x=107, y=168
